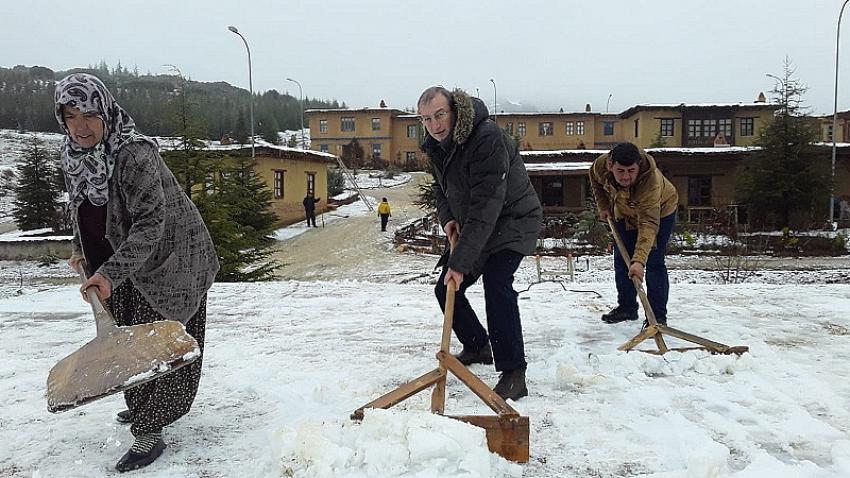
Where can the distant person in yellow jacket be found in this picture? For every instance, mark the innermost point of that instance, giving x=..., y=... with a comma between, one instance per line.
x=384, y=213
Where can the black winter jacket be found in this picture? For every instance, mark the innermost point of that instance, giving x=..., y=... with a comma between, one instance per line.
x=481, y=182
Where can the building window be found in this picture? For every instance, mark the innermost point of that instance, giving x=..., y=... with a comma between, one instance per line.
x=376, y=124
x=553, y=191
x=509, y=128
x=569, y=130
x=412, y=131
x=545, y=129
x=311, y=183
x=376, y=150
x=829, y=133
x=699, y=190
x=323, y=148
x=637, y=128
x=323, y=126
x=709, y=128
x=747, y=126
x=725, y=126
x=410, y=157
x=278, y=184
x=668, y=127
x=520, y=129
x=694, y=128
x=579, y=128
x=608, y=128
x=346, y=123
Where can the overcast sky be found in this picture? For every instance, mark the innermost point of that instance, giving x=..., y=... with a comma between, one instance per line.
x=543, y=54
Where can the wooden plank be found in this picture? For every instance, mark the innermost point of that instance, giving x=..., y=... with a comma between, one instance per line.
x=488, y=396
x=438, y=395
x=714, y=346
x=637, y=339
x=401, y=393
x=507, y=436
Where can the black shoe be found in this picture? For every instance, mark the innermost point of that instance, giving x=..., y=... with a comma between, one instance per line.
x=483, y=355
x=511, y=385
x=133, y=460
x=619, y=314
x=124, y=416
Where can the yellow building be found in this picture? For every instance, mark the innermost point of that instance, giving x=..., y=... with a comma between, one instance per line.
x=289, y=174
x=550, y=131
x=388, y=134
x=694, y=125
x=843, y=127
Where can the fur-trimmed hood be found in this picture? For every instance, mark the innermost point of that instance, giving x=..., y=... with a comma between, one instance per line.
x=469, y=112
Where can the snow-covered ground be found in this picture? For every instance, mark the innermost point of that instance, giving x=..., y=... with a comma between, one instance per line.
x=287, y=362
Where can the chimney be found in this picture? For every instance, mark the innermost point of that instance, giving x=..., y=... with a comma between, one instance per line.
x=383, y=105
x=587, y=108
x=562, y=110
x=761, y=98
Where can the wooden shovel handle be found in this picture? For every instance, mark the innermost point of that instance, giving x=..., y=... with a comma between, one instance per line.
x=104, y=320
x=448, y=315
x=644, y=300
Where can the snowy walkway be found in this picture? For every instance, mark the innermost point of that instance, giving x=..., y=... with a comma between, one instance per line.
x=286, y=363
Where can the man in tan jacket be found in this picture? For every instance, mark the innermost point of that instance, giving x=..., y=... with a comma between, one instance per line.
x=629, y=188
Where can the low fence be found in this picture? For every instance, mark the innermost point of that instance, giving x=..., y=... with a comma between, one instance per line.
x=31, y=249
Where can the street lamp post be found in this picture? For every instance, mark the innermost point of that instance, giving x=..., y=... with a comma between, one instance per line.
x=608, y=102
x=835, y=117
x=250, y=87
x=301, y=96
x=495, y=102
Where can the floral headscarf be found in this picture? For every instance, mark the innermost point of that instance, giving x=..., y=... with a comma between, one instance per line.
x=88, y=170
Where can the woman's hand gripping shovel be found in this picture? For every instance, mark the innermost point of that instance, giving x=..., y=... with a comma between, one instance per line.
x=118, y=358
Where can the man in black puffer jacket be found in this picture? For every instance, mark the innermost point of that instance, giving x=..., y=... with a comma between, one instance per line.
x=485, y=202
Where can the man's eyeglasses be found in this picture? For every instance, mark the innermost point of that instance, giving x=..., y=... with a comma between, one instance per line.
x=438, y=116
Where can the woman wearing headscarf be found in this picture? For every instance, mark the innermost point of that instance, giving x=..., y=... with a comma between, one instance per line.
x=146, y=248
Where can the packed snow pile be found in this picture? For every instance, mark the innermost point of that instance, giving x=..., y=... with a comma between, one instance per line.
x=390, y=443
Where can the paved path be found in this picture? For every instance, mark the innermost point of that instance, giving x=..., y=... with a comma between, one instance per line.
x=354, y=247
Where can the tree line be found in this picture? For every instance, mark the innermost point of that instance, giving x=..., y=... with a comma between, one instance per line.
x=26, y=102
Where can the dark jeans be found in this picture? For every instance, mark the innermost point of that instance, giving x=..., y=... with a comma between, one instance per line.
x=657, y=282
x=500, y=299
x=384, y=219
x=311, y=217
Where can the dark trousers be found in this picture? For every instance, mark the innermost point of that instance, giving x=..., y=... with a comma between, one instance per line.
x=657, y=282
x=384, y=219
x=311, y=217
x=160, y=402
x=500, y=299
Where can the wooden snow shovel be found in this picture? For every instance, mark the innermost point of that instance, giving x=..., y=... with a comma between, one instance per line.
x=507, y=432
x=656, y=331
x=117, y=359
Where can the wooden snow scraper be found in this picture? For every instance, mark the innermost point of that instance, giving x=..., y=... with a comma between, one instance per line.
x=656, y=331
x=507, y=432
x=118, y=358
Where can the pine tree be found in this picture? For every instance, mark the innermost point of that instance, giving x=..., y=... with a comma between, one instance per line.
x=37, y=203
x=786, y=184
x=247, y=247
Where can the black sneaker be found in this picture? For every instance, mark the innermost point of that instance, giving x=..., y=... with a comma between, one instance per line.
x=483, y=355
x=148, y=452
x=619, y=314
x=124, y=416
x=511, y=385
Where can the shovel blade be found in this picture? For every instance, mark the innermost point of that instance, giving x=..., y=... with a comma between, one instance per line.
x=124, y=358
x=506, y=436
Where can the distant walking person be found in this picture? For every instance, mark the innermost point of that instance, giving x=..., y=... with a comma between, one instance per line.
x=384, y=213
x=310, y=208
x=146, y=248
